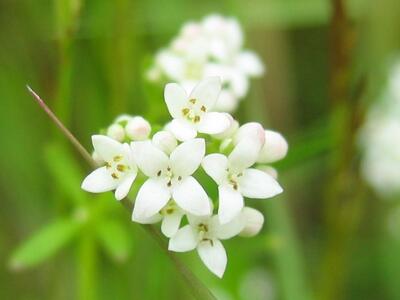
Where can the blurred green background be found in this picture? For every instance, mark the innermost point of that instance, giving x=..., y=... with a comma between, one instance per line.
x=325, y=237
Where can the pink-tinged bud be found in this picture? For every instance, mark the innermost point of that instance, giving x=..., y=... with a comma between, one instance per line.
x=116, y=132
x=252, y=130
x=253, y=221
x=274, y=149
x=165, y=141
x=138, y=129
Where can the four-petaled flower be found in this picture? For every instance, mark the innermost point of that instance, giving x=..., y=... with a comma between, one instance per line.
x=236, y=179
x=170, y=178
x=119, y=171
x=194, y=113
x=204, y=234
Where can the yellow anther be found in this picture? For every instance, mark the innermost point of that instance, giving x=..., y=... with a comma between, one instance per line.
x=193, y=101
x=203, y=108
x=196, y=119
x=185, y=111
x=117, y=158
x=114, y=175
x=121, y=168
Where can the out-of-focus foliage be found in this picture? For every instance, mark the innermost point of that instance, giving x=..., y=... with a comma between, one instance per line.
x=87, y=59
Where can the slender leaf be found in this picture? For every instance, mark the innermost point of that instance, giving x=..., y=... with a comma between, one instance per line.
x=44, y=243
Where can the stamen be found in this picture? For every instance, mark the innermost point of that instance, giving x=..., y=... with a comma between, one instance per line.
x=108, y=165
x=203, y=108
x=117, y=158
x=193, y=101
x=159, y=173
x=169, y=184
x=114, y=175
x=196, y=119
x=179, y=178
x=121, y=168
x=185, y=111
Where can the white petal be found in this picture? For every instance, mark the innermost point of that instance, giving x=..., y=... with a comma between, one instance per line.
x=250, y=63
x=227, y=101
x=182, y=129
x=258, y=184
x=215, y=166
x=239, y=83
x=191, y=197
x=230, y=229
x=154, y=219
x=124, y=186
x=186, y=158
x=106, y=147
x=184, y=240
x=230, y=203
x=207, y=91
x=213, y=123
x=244, y=155
x=213, y=255
x=99, y=181
x=152, y=196
x=175, y=98
x=170, y=224
x=149, y=158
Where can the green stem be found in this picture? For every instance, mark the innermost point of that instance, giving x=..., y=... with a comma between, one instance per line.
x=197, y=288
x=87, y=267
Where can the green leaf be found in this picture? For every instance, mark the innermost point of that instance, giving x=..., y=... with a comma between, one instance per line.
x=115, y=239
x=43, y=244
x=65, y=171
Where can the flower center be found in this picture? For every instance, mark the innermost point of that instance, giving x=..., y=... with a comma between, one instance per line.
x=168, y=209
x=203, y=232
x=117, y=167
x=233, y=179
x=193, y=111
x=169, y=176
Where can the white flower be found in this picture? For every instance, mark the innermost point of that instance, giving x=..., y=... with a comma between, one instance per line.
x=170, y=178
x=211, y=47
x=204, y=234
x=170, y=216
x=119, y=171
x=138, y=128
x=194, y=113
x=236, y=179
x=253, y=222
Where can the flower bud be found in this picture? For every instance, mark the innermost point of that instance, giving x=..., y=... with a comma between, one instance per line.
x=116, y=132
x=274, y=149
x=138, y=129
x=165, y=141
x=251, y=130
x=253, y=220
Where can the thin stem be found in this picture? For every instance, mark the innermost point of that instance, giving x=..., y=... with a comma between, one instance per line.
x=197, y=288
x=63, y=129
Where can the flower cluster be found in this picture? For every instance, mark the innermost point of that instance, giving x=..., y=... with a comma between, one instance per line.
x=381, y=155
x=166, y=166
x=212, y=47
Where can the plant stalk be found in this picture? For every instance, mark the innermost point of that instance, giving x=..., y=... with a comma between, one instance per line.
x=197, y=288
